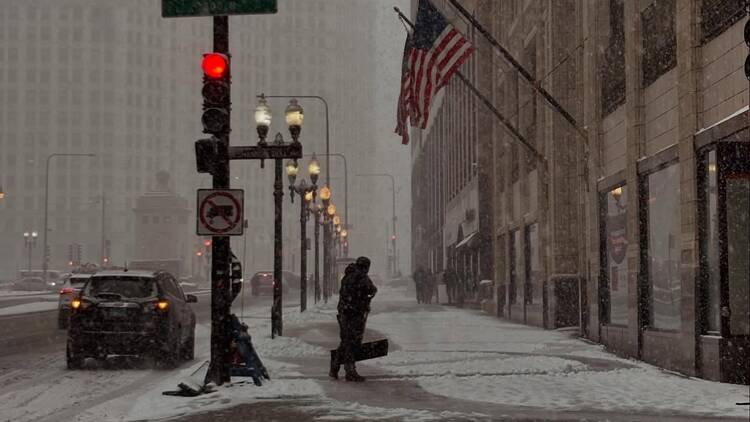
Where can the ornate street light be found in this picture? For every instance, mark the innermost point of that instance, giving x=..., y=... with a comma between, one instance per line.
x=314, y=169
x=262, y=119
x=294, y=117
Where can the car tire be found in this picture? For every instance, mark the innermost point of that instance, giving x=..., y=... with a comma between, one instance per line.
x=169, y=357
x=73, y=358
x=62, y=322
x=188, y=349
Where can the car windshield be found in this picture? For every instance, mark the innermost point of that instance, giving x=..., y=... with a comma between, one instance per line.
x=124, y=287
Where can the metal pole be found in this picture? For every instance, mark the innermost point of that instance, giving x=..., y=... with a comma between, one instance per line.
x=104, y=235
x=393, y=213
x=303, y=254
x=326, y=259
x=317, y=257
x=276, y=323
x=218, y=370
x=45, y=258
x=28, y=253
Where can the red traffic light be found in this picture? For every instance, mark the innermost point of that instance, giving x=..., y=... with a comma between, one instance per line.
x=206, y=243
x=199, y=253
x=214, y=65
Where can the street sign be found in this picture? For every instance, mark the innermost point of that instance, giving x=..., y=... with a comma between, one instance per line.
x=220, y=212
x=187, y=8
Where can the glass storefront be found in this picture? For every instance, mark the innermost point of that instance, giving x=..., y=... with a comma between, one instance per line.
x=738, y=253
x=663, y=247
x=712, y=287
x=614, y=264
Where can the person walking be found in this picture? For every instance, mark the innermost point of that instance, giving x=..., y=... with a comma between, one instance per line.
x=450, y=279
x=419, y=280
x=357, y=290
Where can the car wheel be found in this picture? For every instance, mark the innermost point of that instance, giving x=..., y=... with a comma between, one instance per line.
x=188, y=349
x=168, y=357
x=73, y=357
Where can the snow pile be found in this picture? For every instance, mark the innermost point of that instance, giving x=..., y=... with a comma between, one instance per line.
x=28, y=308
x=154, y=405
x=285, y=347
x=345, y=411
x=621, y=390
x=472, y=365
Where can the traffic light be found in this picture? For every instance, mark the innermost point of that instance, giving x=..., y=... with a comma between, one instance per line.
x=215, y=92
x=206, y=154
x=207, y=243
x=198, y=254
x=747, y=42
x=47, y=253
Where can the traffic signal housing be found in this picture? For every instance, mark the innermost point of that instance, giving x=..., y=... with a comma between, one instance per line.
x=216, y=104
x=206, y=155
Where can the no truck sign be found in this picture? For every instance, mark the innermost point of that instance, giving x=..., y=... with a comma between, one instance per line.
x=220, y=212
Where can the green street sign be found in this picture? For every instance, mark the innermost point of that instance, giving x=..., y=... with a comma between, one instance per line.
x=185, y=8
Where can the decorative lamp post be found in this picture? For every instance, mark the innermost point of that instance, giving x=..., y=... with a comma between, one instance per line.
x=277, y=150
x=30, y=241
x=307, y=193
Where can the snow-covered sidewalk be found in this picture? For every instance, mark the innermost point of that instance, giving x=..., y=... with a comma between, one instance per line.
x=445, y=364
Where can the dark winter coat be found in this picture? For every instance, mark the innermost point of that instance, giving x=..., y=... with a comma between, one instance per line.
x=450, y=278
x=356, y=291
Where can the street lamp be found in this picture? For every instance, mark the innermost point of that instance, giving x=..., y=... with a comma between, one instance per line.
x=393, y=210
x=45, y=255
x=30, y=241
x=278, y=150
x=306, y=192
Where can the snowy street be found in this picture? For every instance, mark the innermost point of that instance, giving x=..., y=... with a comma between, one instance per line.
x=444, y=364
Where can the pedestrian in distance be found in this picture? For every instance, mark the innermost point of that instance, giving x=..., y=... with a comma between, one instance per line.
x=419, y=279
x=429, y=287
x=357, y=290
x=450, y=279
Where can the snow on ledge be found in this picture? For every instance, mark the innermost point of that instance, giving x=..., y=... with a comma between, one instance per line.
x=735, y=114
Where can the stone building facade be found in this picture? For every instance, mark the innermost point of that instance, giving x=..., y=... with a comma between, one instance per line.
x=635, y=227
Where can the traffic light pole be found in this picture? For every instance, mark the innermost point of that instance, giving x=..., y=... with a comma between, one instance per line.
x=218, y=370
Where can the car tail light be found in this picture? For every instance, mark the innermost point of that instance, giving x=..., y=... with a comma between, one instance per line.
x=65, y=290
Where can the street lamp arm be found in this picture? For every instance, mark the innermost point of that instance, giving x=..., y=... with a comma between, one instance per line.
x=328, y=143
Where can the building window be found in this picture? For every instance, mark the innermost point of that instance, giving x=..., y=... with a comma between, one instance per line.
x=659, y=40
x=613, y=287
x=612, y=68
x=660, y=247
x=718, y=15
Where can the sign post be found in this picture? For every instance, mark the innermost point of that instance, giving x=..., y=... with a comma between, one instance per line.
x=220, y=212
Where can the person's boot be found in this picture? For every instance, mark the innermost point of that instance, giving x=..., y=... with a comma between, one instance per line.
x=334, y=372
x=352, y=375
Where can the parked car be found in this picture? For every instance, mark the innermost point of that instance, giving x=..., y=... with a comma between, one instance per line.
x=34, y=284
x=262, y=282
x=71, y=288
x=131, y=312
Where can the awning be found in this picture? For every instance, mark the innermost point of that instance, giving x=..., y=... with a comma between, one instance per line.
x=468, y=241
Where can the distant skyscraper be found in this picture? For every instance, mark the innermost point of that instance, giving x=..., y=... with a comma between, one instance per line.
x=117, y=80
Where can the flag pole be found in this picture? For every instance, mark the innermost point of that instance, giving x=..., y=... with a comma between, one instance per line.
x=486, y=102
x=526, y=75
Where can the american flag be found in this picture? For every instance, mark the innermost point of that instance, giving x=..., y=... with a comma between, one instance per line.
x=431, y=56
x=405, y=102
